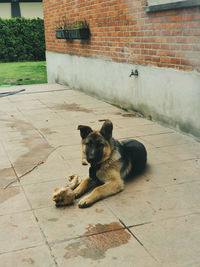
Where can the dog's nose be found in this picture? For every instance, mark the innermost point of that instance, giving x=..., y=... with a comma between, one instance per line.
x=90, y=158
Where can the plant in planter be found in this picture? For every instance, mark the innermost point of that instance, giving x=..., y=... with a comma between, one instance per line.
x=61, y=30
x=79, y=30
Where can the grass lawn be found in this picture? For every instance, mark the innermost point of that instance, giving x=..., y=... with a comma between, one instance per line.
x=19, y=73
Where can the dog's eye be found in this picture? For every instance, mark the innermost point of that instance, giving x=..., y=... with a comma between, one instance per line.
x=100, y=145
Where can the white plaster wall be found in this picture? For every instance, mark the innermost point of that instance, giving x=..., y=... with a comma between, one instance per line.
x=5, y=10
x=158, y=2
x=31, y=10
x=165, y=95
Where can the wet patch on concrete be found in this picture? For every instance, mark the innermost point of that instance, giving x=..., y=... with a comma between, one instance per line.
x=95, y=246
x=38, y=148
x=28, y=261
x=72, y=107
x=126, y=115
x=99, y=210
x=7, y=176
x=129, y=115
x=53, y=220
x=101, y=228
x=47, y=131
x=24, y=237
x=8, y=193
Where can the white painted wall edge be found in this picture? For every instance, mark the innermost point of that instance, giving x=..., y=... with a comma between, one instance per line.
x=166, y=95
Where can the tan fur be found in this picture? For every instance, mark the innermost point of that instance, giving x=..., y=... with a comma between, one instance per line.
x=82, y=188
x=108, y=168
x=84, y=160
x=112, y=185
x=109, y=175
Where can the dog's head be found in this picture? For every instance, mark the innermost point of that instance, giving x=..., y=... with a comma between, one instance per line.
x=97, y=143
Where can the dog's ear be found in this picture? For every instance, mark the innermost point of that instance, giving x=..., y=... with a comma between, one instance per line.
x=106, y=129
x=84, y=131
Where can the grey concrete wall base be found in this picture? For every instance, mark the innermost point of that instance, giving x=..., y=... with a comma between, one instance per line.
x=166, y=95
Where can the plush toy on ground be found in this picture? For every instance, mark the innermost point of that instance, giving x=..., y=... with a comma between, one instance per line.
x=64, y=195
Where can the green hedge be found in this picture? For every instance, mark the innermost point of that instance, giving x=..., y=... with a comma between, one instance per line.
x=22, y=39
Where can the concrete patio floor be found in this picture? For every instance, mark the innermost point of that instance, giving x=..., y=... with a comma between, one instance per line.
x=155, y=221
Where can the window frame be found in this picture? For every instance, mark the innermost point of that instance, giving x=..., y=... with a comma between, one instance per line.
x=171, y=5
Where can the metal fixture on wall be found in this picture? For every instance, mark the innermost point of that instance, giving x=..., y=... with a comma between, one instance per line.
x=134, y=73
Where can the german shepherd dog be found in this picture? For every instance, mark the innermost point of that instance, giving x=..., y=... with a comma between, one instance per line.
x=110, y=162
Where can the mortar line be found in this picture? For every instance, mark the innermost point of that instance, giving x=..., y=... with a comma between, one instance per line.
x=41, y=230
x=127, y=228
x=131, y=232
x=137, y=239
x=47, y=91
x=86, y=235
x=143, y=246
x=20, y=249
x=36, y=219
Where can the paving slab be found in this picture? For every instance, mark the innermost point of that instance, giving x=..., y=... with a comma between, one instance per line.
x=169, y=240
x=19, y=231
x=115, y=248
x=153, y=222
x=37, y=256
x=67, y=223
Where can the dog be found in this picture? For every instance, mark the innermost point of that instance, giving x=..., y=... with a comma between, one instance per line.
x=111, y=162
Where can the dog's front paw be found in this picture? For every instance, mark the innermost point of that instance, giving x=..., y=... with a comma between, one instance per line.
x=84, y=162
x=77, y=193
x=85, y=202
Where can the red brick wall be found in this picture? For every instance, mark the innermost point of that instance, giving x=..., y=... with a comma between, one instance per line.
x=121, y=31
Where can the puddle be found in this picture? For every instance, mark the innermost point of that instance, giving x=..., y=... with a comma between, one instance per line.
x=95, y=246
x=72, y=107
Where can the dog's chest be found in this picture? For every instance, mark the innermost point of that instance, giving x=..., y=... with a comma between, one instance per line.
x=97, y=173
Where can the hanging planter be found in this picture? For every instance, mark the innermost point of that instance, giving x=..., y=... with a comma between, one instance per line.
x=83, y=33
x=62, y=34
x=77, y=30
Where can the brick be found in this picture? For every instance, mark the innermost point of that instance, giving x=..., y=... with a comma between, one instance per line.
x=165, y=60
x=125, y=33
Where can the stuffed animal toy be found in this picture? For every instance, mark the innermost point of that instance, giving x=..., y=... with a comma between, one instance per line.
x=64, y=195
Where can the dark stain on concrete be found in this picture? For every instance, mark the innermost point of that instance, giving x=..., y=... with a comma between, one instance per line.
x=7, y=176
x=94, y=246
x=99, y=210
x=129, y=115
x=101, y=228
x=7, y=193
x=72, y=107
x=126, y=115
x=53, y=220
x=47, y=131
x=38, y=148
x=24, y=237
x=28, y=260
